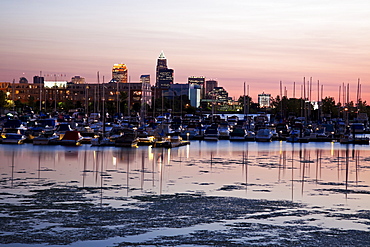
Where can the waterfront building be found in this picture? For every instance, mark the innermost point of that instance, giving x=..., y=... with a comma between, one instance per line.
x=264, y=100
x=61, y=91
x=120, y=73
x=21, y=91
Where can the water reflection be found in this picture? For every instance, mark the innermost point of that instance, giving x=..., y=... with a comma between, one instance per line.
x=310, y=173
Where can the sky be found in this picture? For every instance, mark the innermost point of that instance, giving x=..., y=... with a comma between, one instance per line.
x=257, y=42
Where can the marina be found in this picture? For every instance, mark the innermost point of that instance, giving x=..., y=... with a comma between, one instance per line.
x=132, y=131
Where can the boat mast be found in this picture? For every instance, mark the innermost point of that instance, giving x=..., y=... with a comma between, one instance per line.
x=281, y=99
x=103, y=108
x=358, y=93
x=244, y=102
x=40, y=91
x=117, y=97
x=129, y=96
x=248, y=99
x=98, y=92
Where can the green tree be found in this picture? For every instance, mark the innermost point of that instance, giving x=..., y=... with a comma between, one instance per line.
x=136, y=107
x=2, y=99
x=31, y=101
x=328, y=106
x=110, y=108
x=123, y=101
x=18, y=105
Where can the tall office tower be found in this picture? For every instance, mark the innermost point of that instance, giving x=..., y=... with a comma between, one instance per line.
x=198, y=80
x=145, y=79
x=165, y=78
x=210, y=84
x=164, y=75
x=119, y=73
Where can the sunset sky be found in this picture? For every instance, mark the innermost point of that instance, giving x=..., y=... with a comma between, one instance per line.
x=259, y=42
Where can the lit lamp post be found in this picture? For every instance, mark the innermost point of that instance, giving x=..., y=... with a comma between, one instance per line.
x=7, y=95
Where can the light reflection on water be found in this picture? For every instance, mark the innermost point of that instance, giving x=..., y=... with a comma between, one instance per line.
x=322, y=174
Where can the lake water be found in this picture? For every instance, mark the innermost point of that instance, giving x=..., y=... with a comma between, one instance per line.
x=319, y=176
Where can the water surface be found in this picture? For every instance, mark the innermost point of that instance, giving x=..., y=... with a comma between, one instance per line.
x=326, y=179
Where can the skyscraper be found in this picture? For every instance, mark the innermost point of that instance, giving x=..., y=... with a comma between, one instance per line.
x=161, y=62
x=164, y=75
x=200, y=81
x=210, y=84
x=145, y=79
x=119, y=73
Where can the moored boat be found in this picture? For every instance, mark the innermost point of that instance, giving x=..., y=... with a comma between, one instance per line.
x=264, y=135
x=127, y=139
x=224, y=131
x=71, y=138
x=13, y=138
x=238, y=134
x=45, y=139
x=354, y=140
x=211, y=133
x=171, y=141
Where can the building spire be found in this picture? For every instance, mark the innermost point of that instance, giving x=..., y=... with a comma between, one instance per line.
x=162, y=56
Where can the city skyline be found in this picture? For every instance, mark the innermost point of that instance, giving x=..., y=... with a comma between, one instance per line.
x=260, y=43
